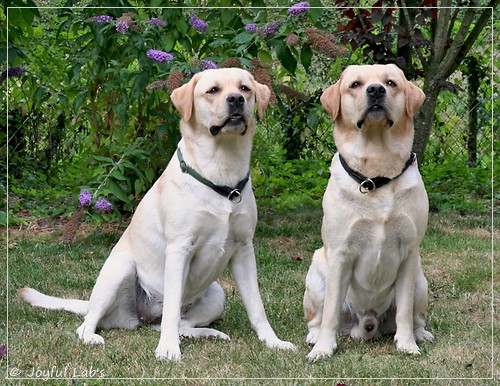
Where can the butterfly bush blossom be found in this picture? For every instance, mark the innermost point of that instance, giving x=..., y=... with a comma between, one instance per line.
x=103, y=206
x=197, y=23
x=12, y=72
x=208, y=65
x=159, y=56
x=99, y=19
x=85, y=198
x=252, y=27
x=157, y=22
x=298, y=9
x=269, y=29
x=121, y=26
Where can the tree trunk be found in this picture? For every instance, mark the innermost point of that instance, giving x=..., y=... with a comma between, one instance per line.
x=449, y=49
x=472, y=106
x=424, y=120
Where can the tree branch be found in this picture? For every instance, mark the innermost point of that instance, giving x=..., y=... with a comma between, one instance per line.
x=411, y=29
x=441, y=37
x=443, y=66
x=476, y=31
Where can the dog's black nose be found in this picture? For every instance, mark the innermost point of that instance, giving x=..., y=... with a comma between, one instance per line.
x=235, y=100
x=376, y=91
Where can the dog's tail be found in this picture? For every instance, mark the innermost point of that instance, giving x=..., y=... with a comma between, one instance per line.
x=37, y=299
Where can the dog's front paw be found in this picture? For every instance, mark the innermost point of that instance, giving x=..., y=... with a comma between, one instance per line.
x=168, y=352
x=312, y=336
x=320, y=351
x=281, y=345
x=407, y=345
x=89, y=337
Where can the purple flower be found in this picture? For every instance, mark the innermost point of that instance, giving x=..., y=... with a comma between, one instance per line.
x=3, y=351
x=85, y=198
x=103, y=206
x=159, y=56
x=197, y=23
x=157, y=84
x=99, y=19
x=121, y=26
x=299, y=8
x=270, y=29
x=251, y=27
x=157, y=22
x=12, y=72
x=207, y=65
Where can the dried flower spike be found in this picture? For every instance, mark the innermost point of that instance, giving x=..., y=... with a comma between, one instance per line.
x=174, y=80
x=231, y=62
x=292, y=40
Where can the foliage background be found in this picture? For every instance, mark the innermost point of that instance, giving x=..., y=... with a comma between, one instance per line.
x=92, y=111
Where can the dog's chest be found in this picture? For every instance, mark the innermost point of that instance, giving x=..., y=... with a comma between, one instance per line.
x=218, y=236
x=377, y=249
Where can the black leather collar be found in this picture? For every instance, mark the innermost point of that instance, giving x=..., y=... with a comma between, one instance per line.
x=368, y=184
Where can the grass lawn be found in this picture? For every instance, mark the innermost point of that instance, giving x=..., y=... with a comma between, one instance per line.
x=457, y=261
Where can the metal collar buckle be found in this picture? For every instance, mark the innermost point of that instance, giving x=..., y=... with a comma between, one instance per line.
x=367, y=186
x=184, y=167
x=235, y=196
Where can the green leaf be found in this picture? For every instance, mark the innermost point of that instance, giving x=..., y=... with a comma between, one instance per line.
x=306, y=56
x=244, y=38
x=286, y=57
x=117, y=191
x=265, y=56
x=77, y=104
x=317, y=12
x=138, y=186
x=104, y=159
x=140, y=85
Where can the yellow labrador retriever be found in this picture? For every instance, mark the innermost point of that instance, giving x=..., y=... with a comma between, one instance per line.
x=367, y=277
x=197, y=218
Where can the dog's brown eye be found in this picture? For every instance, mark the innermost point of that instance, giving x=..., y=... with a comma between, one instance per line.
x=213, y=90
x=391, y=83
x=245, y=88
x=355, y=85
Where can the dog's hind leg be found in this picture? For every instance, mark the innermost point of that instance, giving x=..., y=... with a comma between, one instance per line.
x=203, y=312
x=420, y=307
x=314, y=296
x=116, y=279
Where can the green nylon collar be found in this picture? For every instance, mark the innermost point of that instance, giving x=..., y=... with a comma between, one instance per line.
x=232, y=194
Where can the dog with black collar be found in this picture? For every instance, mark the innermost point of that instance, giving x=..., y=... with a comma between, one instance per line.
x=367, y=279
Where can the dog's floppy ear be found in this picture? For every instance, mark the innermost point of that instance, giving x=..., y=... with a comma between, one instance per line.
x=330, y=99
x=262, y=96
x=183, y=98
x=414, y=98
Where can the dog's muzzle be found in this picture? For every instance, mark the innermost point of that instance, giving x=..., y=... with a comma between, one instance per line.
x=376, y=97
x=236, y=103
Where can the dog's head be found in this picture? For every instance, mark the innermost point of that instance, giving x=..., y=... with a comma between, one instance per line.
x=377, y=96
x=221, y=101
